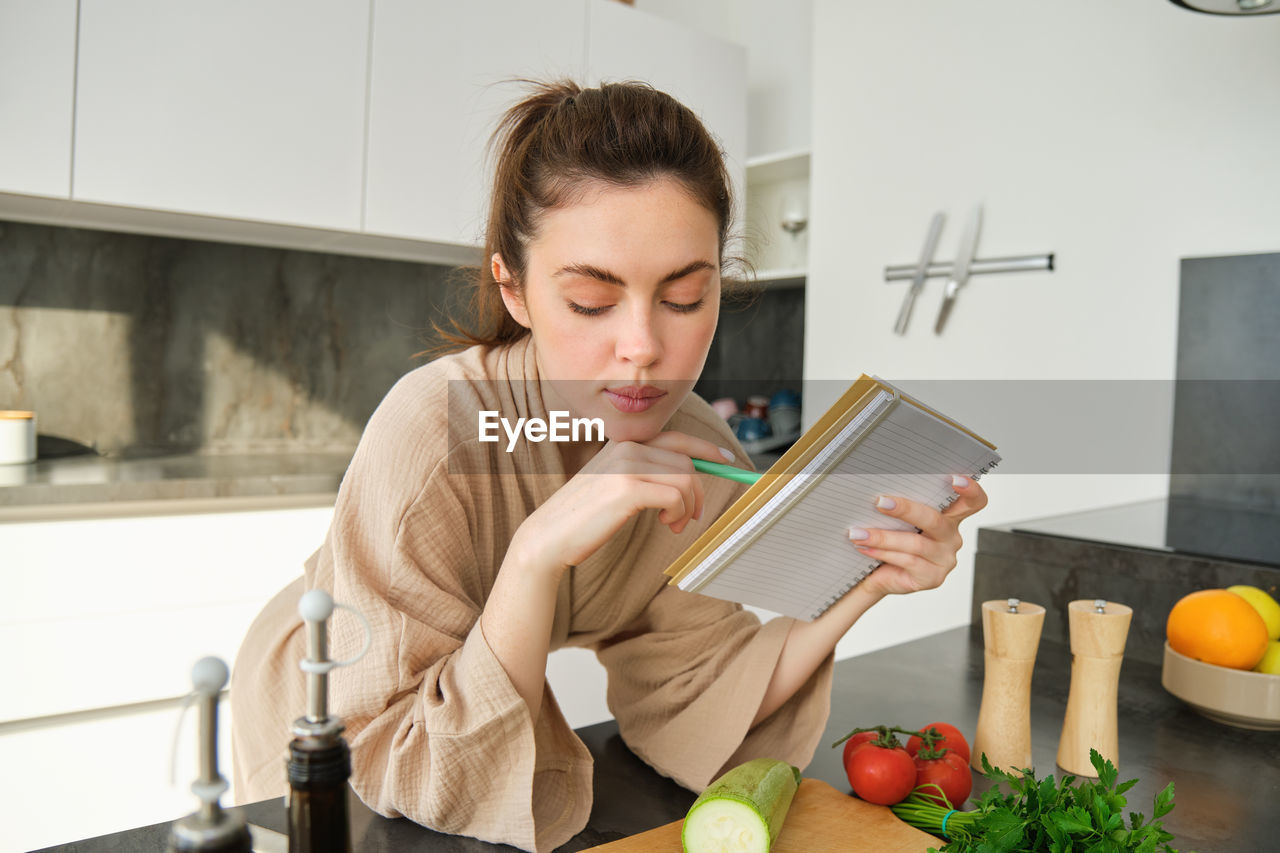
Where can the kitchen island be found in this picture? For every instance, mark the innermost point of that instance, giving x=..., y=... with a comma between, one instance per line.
x=1227, y=779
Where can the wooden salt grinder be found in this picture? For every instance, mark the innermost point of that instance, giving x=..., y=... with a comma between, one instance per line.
x=1011, y=632
x=1098, y=633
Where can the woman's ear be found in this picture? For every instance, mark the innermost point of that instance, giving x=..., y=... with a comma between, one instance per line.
x=510, y=296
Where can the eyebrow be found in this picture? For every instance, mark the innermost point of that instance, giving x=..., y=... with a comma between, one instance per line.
x=589, y=271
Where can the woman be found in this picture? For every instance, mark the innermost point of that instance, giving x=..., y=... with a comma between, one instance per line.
x=606, y=239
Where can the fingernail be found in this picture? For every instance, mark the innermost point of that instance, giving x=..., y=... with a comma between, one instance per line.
x=727, y=454
x=958, y=481
x=856, y=533
x=886, y=503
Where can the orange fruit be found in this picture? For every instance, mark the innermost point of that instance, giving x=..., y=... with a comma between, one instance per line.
x=1217, y=627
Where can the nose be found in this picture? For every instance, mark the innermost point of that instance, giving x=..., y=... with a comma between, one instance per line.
x=638, y=340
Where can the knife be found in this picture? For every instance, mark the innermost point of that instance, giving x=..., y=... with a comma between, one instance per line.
x=960, y=270
x=922, y=268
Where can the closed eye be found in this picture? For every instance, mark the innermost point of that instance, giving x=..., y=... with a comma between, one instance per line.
x=588, y=311
x=685, y=307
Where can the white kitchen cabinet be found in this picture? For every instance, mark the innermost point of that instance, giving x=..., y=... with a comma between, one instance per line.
x=437, y=88
x=707, y=74
x=356, y=126
x=431, y=111
x=112, y=612
x=237, y=108
x=127, y=757
x=101, y=620
x=37, y=92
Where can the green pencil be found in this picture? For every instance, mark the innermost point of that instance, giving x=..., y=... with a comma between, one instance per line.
x=728, y=472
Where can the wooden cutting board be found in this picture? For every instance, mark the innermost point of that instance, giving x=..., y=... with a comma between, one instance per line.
x=821, y=819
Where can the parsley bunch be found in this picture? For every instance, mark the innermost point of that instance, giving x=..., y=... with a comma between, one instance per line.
x=1042, y=815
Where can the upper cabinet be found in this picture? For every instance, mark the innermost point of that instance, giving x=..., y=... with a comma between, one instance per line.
x=432, y=111
x=37, y=93
x=240, y=108
x=707, y=74
x=355, y=126
x=441, y=77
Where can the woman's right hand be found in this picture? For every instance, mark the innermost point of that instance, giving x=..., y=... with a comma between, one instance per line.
x=623, y=479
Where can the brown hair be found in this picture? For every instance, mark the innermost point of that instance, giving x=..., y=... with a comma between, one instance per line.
x=554, y=142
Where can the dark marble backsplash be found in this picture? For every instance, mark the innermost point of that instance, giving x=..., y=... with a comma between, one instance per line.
x=137, y=345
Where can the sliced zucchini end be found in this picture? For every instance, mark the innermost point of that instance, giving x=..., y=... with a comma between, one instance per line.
x=725, y=826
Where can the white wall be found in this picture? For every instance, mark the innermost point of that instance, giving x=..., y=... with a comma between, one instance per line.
x=779, y=42
x=1122, y=136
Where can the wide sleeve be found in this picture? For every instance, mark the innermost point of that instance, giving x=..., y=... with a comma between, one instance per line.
x=438, y=733
x=686, y=680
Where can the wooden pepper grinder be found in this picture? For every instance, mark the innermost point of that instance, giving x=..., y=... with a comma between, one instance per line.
x=1098, y=633
x=1011, y=632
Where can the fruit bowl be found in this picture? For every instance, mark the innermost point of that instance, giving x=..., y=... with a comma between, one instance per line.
x=1236, y=697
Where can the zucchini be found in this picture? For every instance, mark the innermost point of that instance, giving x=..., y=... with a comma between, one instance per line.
x=743, y=810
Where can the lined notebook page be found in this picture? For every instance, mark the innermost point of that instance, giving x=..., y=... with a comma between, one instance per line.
x=794, y=555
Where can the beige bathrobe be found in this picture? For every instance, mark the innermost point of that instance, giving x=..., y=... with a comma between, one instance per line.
x=437, y=731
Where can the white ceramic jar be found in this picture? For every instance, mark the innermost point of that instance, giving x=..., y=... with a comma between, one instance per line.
x=17, y=437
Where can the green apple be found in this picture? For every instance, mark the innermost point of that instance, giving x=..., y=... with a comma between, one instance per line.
x=1262, y=602
x=1270, y=663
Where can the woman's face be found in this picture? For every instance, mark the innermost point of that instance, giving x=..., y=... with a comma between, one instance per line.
x=621, y=294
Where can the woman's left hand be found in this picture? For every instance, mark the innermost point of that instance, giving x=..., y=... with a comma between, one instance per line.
x=915, y=561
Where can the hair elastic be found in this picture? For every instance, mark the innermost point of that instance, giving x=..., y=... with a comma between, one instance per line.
x=944, y=824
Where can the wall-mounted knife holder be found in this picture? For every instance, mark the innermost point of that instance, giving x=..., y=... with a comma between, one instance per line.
x=958, y=272
x=980, y=266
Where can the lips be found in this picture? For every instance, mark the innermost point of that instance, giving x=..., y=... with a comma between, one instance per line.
x=631, y=399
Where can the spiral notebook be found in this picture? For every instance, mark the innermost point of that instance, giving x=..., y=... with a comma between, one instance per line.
x=784, y=545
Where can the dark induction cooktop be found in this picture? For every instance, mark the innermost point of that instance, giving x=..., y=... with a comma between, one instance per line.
x=1179, y=524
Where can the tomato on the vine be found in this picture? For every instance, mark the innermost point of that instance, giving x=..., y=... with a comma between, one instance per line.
x=881, y=775
x=855, y=741
x=951, y=739
x=949, y=772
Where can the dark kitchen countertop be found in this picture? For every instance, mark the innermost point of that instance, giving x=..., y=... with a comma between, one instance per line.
x=48, y=485
x=1227, y=779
